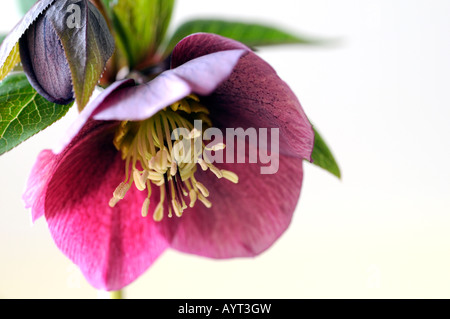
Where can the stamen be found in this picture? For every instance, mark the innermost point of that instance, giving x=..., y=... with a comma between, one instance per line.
x=158, y=215
x=202, y=189
x=232, y=177
x=121, y=133
x=173, y=168
x=154, y=176
x=119, y=194
x=121, y=190
x=167, y=133
x=193, y=97
x=145, y=128
x=176, y=208
x=198, y=108
x=140, y=179
x=205, y=202
x=215, y=170
x=159, y=162
x=145, y=207
x=217, y=147
x=113, y=202
x=152, y=158
x=195, y=134
x=205, y=119
x=202, y=164
x=159, y=211
x=192, y=197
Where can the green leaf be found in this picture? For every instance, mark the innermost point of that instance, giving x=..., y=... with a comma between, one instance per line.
x=25, y=5
x=323, y=157
x=23, y=112
x=11, y=61
x=251, y=34
x=141, y=26
x=107, y=4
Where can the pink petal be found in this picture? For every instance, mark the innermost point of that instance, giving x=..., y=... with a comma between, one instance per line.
x=246, y=218
x=252, y=97
x=37, y=183
x=43, y=170
x=206, y=73
x=200, y=44
x=200, y=76
x=143, y=101
x=112, y=246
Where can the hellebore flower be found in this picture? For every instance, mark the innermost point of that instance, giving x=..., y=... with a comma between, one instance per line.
x=64, y=46
x=117, y=166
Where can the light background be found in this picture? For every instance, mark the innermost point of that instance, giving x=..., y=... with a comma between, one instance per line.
x=380, y=98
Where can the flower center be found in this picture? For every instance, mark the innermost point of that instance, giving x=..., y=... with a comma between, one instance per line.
x=164, y=151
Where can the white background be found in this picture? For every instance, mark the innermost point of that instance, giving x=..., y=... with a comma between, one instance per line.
x=379, y=96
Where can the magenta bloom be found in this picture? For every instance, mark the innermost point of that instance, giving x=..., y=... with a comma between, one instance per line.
x=115, y=198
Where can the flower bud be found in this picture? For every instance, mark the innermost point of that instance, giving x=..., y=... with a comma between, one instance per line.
x=64, y=51
x=44, y=62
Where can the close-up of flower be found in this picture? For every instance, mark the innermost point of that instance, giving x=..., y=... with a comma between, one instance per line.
x=218, y=156
x=114, y=194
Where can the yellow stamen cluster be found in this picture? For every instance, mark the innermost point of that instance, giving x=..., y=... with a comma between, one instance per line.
x=153, y=158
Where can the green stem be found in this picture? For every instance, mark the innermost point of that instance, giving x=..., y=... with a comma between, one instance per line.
x=116, y=294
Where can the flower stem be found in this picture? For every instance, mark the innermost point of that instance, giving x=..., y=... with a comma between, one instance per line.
x=116, y=294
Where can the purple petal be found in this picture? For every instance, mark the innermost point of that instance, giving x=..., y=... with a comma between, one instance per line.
x=112, y=246
x=245, y=218
x=200, y=76
x=252, y=97
x=143, y=101
x=255, y=97
x=87, y=112
x=206, y=73
x=200, y=44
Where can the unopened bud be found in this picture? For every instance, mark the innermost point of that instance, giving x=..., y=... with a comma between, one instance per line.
x=44, y=62
x=65, y=50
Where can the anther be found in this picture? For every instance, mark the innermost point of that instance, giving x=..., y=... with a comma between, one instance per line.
x=232, y=177
x=216, y=171
x=159, y=213
x=177, y=208
x=174, y=168
x=121, y=190
x=202, y=164
x=113, y=202
x=217, y=147
x=152, y=158
x=205, y=202
x=140, y=179
x=145, y=207
x=195, y=134
x=192, y=197
x=202, y=189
